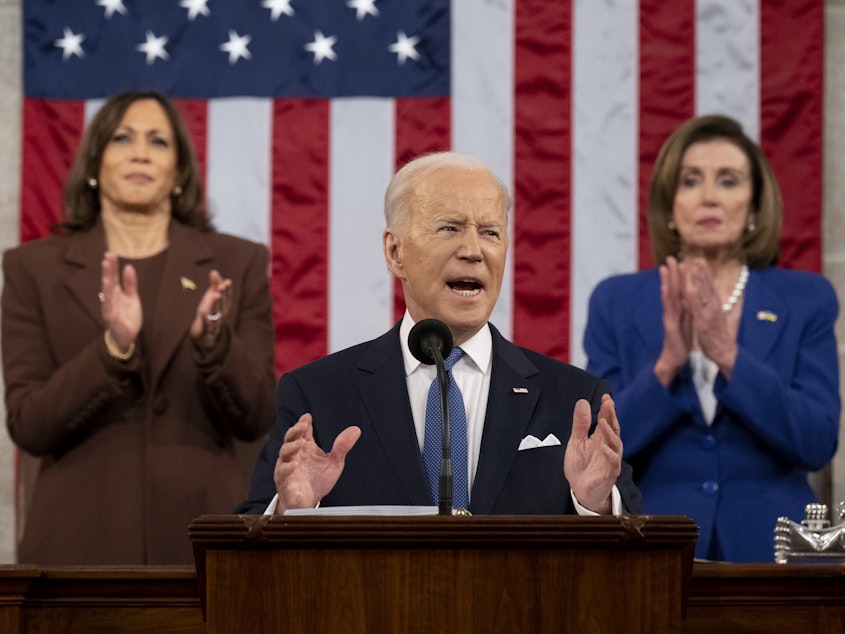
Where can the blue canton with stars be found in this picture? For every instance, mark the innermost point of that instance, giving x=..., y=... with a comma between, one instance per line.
x=88, y=49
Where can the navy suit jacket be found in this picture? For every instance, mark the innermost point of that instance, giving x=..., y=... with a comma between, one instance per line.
x=365, y=386
x=777, y=418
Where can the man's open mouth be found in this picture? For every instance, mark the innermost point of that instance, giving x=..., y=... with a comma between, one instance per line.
x=465, y=287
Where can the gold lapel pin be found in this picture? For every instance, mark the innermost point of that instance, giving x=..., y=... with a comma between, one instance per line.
x=187, y=284
x=767, y=315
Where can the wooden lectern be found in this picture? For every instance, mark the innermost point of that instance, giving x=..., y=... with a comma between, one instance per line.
x=436, y=574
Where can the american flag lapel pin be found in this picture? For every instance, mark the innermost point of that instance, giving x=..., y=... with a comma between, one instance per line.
x=520, y=390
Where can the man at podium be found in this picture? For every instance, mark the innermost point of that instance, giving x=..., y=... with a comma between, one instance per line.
x=529, y=434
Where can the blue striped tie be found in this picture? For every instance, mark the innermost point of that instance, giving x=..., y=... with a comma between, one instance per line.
x=432, y=446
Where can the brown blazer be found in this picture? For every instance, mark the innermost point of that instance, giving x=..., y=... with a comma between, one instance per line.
x=132, y=452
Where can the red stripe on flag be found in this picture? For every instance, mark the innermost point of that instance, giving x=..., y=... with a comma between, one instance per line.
x=541, y=244
x=51, y=130
x=300, y=230
x=422, y=125
x=791, y=102
x=667, y=90
x=51, y=133
x=195, y=114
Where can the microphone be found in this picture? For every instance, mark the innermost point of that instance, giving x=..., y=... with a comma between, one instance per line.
x=427, y=336
x=430, y=341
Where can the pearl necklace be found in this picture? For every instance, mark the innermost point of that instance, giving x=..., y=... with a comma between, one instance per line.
x=739, y=289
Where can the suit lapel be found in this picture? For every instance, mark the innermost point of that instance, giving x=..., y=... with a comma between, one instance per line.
x=384, y=392
x=764, y=317
x=84, y=256
x=183, y=282
x=506, y=420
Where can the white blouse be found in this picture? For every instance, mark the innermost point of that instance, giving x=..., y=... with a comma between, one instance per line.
x=704, y=371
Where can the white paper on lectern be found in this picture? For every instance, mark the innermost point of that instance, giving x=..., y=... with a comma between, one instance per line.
x=386, y=509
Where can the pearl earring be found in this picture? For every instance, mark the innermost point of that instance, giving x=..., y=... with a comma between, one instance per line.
x=177, y=191
x=751, y=227
x=92, y=183
x=671, y=225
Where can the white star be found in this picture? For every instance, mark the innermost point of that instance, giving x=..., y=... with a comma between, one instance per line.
x=277, y=7
x=71, y=44
x=321, y=47
x=236, y=46
x=362, y=8
x=154, y=47
x=111, y=6
x=405, y=47
x=195, y=8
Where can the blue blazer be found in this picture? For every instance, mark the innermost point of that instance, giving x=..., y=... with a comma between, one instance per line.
x=365, y=386
x=777, y=418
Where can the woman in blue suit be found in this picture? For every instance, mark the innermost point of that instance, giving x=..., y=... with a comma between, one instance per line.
x=724, y=367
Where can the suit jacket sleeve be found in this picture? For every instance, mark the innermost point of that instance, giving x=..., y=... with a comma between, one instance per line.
x=238, y=376
x=646, y=409
x=48, y=402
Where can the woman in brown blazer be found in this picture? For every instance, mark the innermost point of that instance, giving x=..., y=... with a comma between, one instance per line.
x=137, y=350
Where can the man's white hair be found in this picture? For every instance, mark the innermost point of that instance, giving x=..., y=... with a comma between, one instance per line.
x=403, y=182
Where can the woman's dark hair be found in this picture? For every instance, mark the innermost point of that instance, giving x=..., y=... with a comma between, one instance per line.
x=82, y=202
x=760, y=247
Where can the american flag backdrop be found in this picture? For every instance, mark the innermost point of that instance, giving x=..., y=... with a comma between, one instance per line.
x=302, y=109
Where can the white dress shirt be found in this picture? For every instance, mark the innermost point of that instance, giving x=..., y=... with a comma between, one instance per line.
x=704, y=372
x=472, y=374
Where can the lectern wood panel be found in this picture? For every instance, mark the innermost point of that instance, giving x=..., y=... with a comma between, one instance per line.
x=443, y=574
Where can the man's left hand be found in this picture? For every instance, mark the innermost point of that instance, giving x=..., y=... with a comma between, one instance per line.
x=592, y=463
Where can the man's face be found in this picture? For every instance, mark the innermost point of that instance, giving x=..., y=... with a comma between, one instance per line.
x=450, y=255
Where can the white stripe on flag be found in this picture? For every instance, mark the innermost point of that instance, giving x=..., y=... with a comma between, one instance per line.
x=728, y=61
x=92, y=106
x=361, y=164
x=238, y=171
x=604, y=139
x=482, y=105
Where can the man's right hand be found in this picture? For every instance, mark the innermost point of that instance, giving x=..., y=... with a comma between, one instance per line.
x=304, y=473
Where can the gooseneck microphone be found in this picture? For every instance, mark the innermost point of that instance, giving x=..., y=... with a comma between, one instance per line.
x=430, y=341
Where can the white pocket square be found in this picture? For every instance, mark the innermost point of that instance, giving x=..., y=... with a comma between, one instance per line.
x=532, y=442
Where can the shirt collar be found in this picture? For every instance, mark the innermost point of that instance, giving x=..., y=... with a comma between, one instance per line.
x=478, y=349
